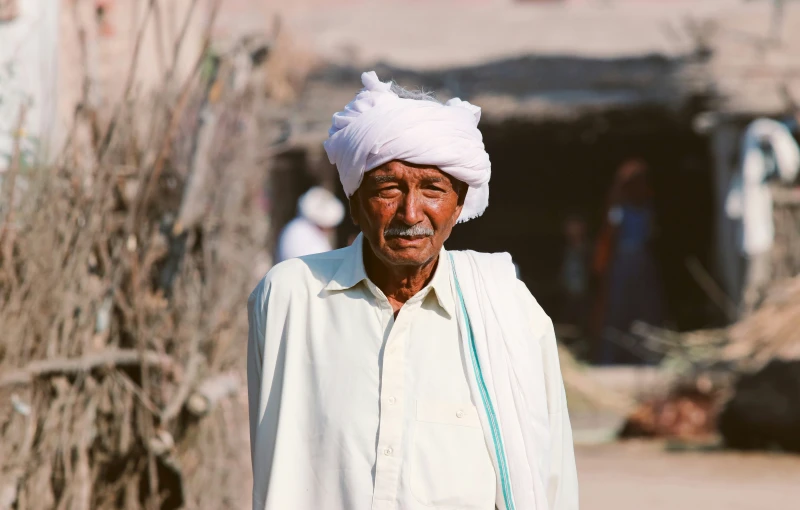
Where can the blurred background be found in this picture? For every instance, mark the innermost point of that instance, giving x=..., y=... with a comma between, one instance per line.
x=158, y=156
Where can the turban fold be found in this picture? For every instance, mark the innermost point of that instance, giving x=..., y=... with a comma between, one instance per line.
x=378, y=127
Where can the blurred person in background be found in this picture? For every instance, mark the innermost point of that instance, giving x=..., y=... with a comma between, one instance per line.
x=629, y=284
x=769, y=153
x=319, y=212
x=360, y=396
x=575, y=274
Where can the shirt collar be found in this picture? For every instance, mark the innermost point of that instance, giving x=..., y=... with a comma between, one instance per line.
x=441, y=284
x=351, y=272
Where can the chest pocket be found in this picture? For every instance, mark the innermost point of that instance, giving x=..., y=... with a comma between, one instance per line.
x=450, y=464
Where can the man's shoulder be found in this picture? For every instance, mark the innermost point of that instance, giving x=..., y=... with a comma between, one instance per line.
x=303, y=272
x=499, y=270
x=498, y=264
x=500, y=257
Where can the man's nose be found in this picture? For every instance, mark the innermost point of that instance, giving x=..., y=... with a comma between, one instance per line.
x=411, y=210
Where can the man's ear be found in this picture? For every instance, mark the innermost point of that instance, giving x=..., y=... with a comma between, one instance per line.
x=355, y=208
x=461, y=188
x=462, y=193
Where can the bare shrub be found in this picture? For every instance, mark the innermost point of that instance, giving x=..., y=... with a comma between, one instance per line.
x=124, y=271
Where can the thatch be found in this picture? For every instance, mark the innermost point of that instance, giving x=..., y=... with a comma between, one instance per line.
x=557, y=63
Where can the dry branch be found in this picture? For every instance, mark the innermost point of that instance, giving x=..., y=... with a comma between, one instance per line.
x=206, y=397
x=129, y=320
x=6, y=235
x=129, y=82
x=176, y=47
x=711, y=288
x=9, y=489
x=167, y=140
x=69, y=366
x=175, y=405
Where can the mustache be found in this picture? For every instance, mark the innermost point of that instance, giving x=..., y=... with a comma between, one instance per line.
x=412, y=231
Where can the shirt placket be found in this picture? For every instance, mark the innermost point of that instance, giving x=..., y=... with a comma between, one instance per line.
x=392, y=413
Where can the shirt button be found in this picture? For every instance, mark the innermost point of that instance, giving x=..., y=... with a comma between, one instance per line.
x=387, y=452
x=392, y=400
x=460, y=414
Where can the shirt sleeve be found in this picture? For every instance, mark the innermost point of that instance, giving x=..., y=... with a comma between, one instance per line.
x=255, y=352
x=562, y=484
x=255, y=344
x=267, y=308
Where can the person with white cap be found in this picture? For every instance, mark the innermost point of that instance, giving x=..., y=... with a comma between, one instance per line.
x=393, y=373
x=319, y=212
x=769, y=153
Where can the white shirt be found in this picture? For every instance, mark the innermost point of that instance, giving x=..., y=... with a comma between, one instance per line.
x=351, y=409
x=301, y=237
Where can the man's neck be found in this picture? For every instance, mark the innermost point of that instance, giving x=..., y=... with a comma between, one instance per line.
x=398, y=283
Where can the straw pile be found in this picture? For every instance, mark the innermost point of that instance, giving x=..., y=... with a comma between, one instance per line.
x=710, y=365
x=772, y=331
x=124, y=270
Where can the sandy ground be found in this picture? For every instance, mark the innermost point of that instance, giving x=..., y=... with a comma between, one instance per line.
x=645, y=476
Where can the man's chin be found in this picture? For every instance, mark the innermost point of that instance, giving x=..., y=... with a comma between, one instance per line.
x=408, y=243
x=414, y=255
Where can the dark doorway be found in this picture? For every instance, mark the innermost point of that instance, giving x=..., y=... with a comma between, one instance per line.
x=543, y=172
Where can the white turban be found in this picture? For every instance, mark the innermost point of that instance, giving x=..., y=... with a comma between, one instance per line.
x=378, y=127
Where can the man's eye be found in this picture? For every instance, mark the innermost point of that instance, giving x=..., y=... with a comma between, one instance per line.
x=388, y=190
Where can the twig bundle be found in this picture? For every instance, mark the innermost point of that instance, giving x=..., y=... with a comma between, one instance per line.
x=122, y=315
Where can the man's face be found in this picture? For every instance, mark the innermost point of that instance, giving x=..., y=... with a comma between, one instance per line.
x=406, y=212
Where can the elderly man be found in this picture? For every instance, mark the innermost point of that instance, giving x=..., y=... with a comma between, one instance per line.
x=393, y=374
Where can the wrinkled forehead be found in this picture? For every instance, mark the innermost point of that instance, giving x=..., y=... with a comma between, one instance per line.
x=396, y=171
